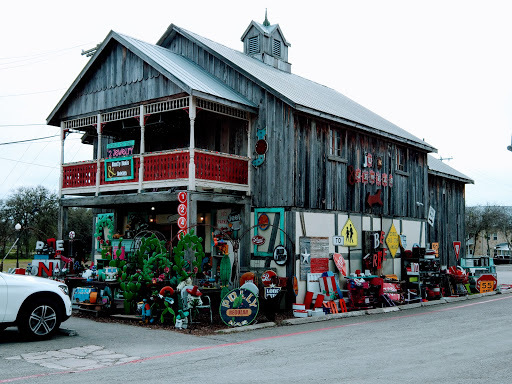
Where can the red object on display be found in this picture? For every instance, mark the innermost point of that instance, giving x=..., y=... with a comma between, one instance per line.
x=308, y=299
x=268, y=277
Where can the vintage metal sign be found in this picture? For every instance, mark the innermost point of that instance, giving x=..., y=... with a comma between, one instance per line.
x=272, y=292
x=393, y=240
x=431, y=216
x=120, y=168
x=486, y=283
x=280, y=255
x=349, y=232
x=456, y=246
x=239, y=307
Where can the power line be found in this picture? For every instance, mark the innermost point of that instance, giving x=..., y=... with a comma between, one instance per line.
x=33, y=93
x=35, y=55
x=26, y=162
x=19, y=125
x=25, y=141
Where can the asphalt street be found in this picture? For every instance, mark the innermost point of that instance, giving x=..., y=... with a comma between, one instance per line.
x=463, y=341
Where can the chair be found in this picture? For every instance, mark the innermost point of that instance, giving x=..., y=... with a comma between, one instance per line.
x=205, y=299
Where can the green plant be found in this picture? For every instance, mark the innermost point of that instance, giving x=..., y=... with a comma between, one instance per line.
x=182, y=268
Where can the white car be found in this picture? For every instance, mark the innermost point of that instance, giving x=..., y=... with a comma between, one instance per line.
x=35, y=305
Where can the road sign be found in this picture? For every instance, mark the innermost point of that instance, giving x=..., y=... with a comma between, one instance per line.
x=349, y=232
x=337, y=240
x=456, y=246
x=486, y=283
x=393, y=240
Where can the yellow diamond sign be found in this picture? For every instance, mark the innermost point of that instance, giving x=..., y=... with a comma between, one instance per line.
x=393, y=240
x=350, y=234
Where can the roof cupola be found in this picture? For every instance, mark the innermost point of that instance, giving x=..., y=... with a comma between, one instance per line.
x=266, y=43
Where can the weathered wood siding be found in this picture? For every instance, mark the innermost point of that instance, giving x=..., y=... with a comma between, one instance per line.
x=322, y=180
x=447, y=197
x=273, y=182
x=120, y=79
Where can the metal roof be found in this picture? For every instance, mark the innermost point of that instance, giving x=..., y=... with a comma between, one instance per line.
x=437, y=167
x=304, y=94
x=184, y=70
x=185, y=73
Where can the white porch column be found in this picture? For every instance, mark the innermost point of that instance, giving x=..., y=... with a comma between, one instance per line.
x=98, y=154
x=192, y=165
x=142, y=147
x=61, y=176
x=249, y=153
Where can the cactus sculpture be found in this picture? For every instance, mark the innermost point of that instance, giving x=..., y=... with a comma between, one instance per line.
x=225, y=275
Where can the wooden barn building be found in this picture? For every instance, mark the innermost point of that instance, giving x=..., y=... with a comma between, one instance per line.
x=266, y=158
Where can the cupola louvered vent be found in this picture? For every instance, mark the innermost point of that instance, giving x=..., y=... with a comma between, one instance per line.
x=276, y=48
x=254, y=45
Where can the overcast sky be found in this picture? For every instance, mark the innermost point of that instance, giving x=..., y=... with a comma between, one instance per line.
x=441, y=70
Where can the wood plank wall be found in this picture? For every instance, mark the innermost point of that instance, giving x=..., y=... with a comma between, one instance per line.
x=447, y=198
x=297, y=171
x=120, y=79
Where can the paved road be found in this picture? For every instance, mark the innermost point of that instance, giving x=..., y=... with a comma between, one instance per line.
x=467, y=341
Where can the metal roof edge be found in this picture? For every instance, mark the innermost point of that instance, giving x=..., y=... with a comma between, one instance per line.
x=449, y=176
x=221, y=100
x=73, y=85
x=365, y=128
x=238, y=68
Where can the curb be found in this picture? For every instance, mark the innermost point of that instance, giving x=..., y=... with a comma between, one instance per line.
x=375, y=311
x=247, y=328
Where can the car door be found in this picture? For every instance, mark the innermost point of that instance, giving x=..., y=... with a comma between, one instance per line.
x=3, y=297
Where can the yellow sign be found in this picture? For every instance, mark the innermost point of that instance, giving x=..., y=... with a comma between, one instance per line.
x=350, y=234
x=393, y=240
x=486, y=286
x=435, y=247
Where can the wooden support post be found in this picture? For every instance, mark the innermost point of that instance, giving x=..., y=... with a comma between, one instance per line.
x=142, y=147
x=98, y=154
x=249, y=152
x=61, y=176
x=192, y=165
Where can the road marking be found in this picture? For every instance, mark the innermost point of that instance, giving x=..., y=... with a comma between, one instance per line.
x=149, y=358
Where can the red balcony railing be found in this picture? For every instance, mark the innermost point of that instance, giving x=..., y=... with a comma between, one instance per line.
x=217, y=167
x=160, y=167
x=166, y=166
x=79, y=175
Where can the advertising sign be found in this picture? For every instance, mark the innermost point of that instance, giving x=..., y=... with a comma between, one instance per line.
x=120, y=168
x=120, y=149
x=239, y=307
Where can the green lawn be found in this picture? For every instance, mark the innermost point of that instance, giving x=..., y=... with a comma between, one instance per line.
x=11, y=263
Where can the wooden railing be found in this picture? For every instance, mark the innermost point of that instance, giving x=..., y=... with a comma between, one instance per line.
x=161, y=167
x=220, y=167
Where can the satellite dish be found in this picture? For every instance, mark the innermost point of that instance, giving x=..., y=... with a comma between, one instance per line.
x=509, y=148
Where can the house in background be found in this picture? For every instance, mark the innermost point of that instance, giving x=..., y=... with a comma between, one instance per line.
x=190, y=134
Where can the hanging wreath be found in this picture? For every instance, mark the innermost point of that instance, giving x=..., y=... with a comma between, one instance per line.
x=104, y=221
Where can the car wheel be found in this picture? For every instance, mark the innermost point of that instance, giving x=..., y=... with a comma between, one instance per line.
x=39, y=319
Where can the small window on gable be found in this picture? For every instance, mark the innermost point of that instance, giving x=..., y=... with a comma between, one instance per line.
x=401, y=159
x=336, y=138
x=276, y=48
x=254, y=44
x=495, y=236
